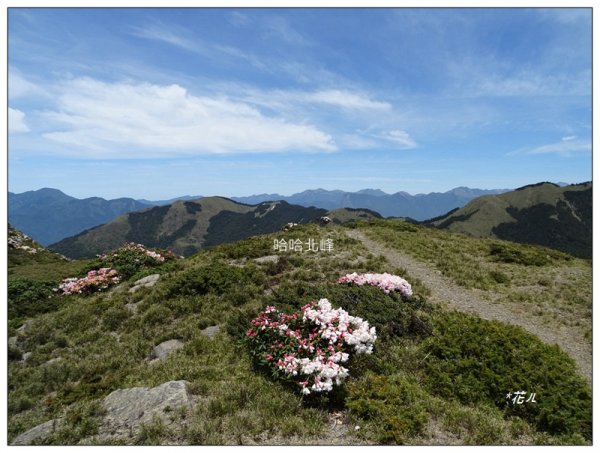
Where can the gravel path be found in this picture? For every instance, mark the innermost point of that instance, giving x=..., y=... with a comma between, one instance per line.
x=445, y=292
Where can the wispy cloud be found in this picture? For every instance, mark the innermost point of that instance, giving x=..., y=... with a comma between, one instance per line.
x=399, y=138
x=281, y=29
x=239, y=19
x=167, y=120
x=348, y=100
x=20, y=87
x=567, y=146
x=184, y=39
x=16, y=121
x=169, y=35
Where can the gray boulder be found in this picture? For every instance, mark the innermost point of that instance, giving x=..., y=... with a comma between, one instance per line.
x=128, y=409
x=161, y=351
x=267, y=259
x=145, y=282
x=211, y=331
x=37, y=432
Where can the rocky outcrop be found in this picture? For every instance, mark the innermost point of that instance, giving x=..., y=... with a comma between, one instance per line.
x=128, y=409
x=38, y=432
x=267, y=259
x=145, y=282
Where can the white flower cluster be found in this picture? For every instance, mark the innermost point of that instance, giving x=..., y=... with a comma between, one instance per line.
x=338, y=324
x=337, y=327
x=387, y=282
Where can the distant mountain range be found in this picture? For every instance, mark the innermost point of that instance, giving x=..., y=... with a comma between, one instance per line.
x=189, y=226
x=400, y=204
x=49, y=215
x=546, y=214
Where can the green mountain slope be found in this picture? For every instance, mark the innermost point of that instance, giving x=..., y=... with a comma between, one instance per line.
x=436, y=376
x=544, y=214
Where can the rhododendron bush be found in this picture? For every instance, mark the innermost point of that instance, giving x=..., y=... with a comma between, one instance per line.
x=95, y=280
x=387, y=282
x=309, y=347
x=132, y=257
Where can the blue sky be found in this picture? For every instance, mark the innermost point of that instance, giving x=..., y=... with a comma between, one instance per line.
x=158, y=103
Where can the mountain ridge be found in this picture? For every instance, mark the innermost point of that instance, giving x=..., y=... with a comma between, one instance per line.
x=544, y=213
x=187, y=227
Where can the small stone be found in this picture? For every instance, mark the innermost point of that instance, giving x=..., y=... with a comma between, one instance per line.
x=12, y=341
x=211, y=331
x=162, y=350
x=145, y=282
x=267, y=259
x=131, y=307
x=25, y=356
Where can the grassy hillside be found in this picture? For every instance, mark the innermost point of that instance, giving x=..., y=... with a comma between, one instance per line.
x=435, y=376
x=187, y=226
x=544, y=214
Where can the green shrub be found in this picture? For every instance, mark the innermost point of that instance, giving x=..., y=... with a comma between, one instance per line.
x=157, y=314
x=216, y=278
x=114, y=317
x=389, y=313
x=394, y=407
x=499, y=277
x=131, y=259
x=28, y=298
x=480, y=361
x=524, y=254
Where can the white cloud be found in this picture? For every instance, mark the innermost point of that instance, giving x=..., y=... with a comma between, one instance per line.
x=566, y=147
x=105, y=119
x=348, y=100
x=400, y=138
x=16, y=121
x=20, y=87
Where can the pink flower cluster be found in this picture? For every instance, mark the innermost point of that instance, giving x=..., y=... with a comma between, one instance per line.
x=310, y=347
x=95, y=280
x=137, y=248
x=387, y=282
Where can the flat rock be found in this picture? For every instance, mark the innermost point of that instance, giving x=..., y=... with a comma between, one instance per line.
x=24, y=326
x=37, y=432
x=211, y=331
x=161, y=351
x=145, y=282
x=127, y=409
x=12, y=341
x=267, y=259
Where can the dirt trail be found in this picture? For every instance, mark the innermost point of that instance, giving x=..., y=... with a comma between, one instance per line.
x=445, y=292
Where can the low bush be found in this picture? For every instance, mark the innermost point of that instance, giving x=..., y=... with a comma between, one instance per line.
x=28, y=298
x=478, y=361
x=525, y=255
x=309, y=347
x=131, y=258
x=215, y=278
x=393, y=407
